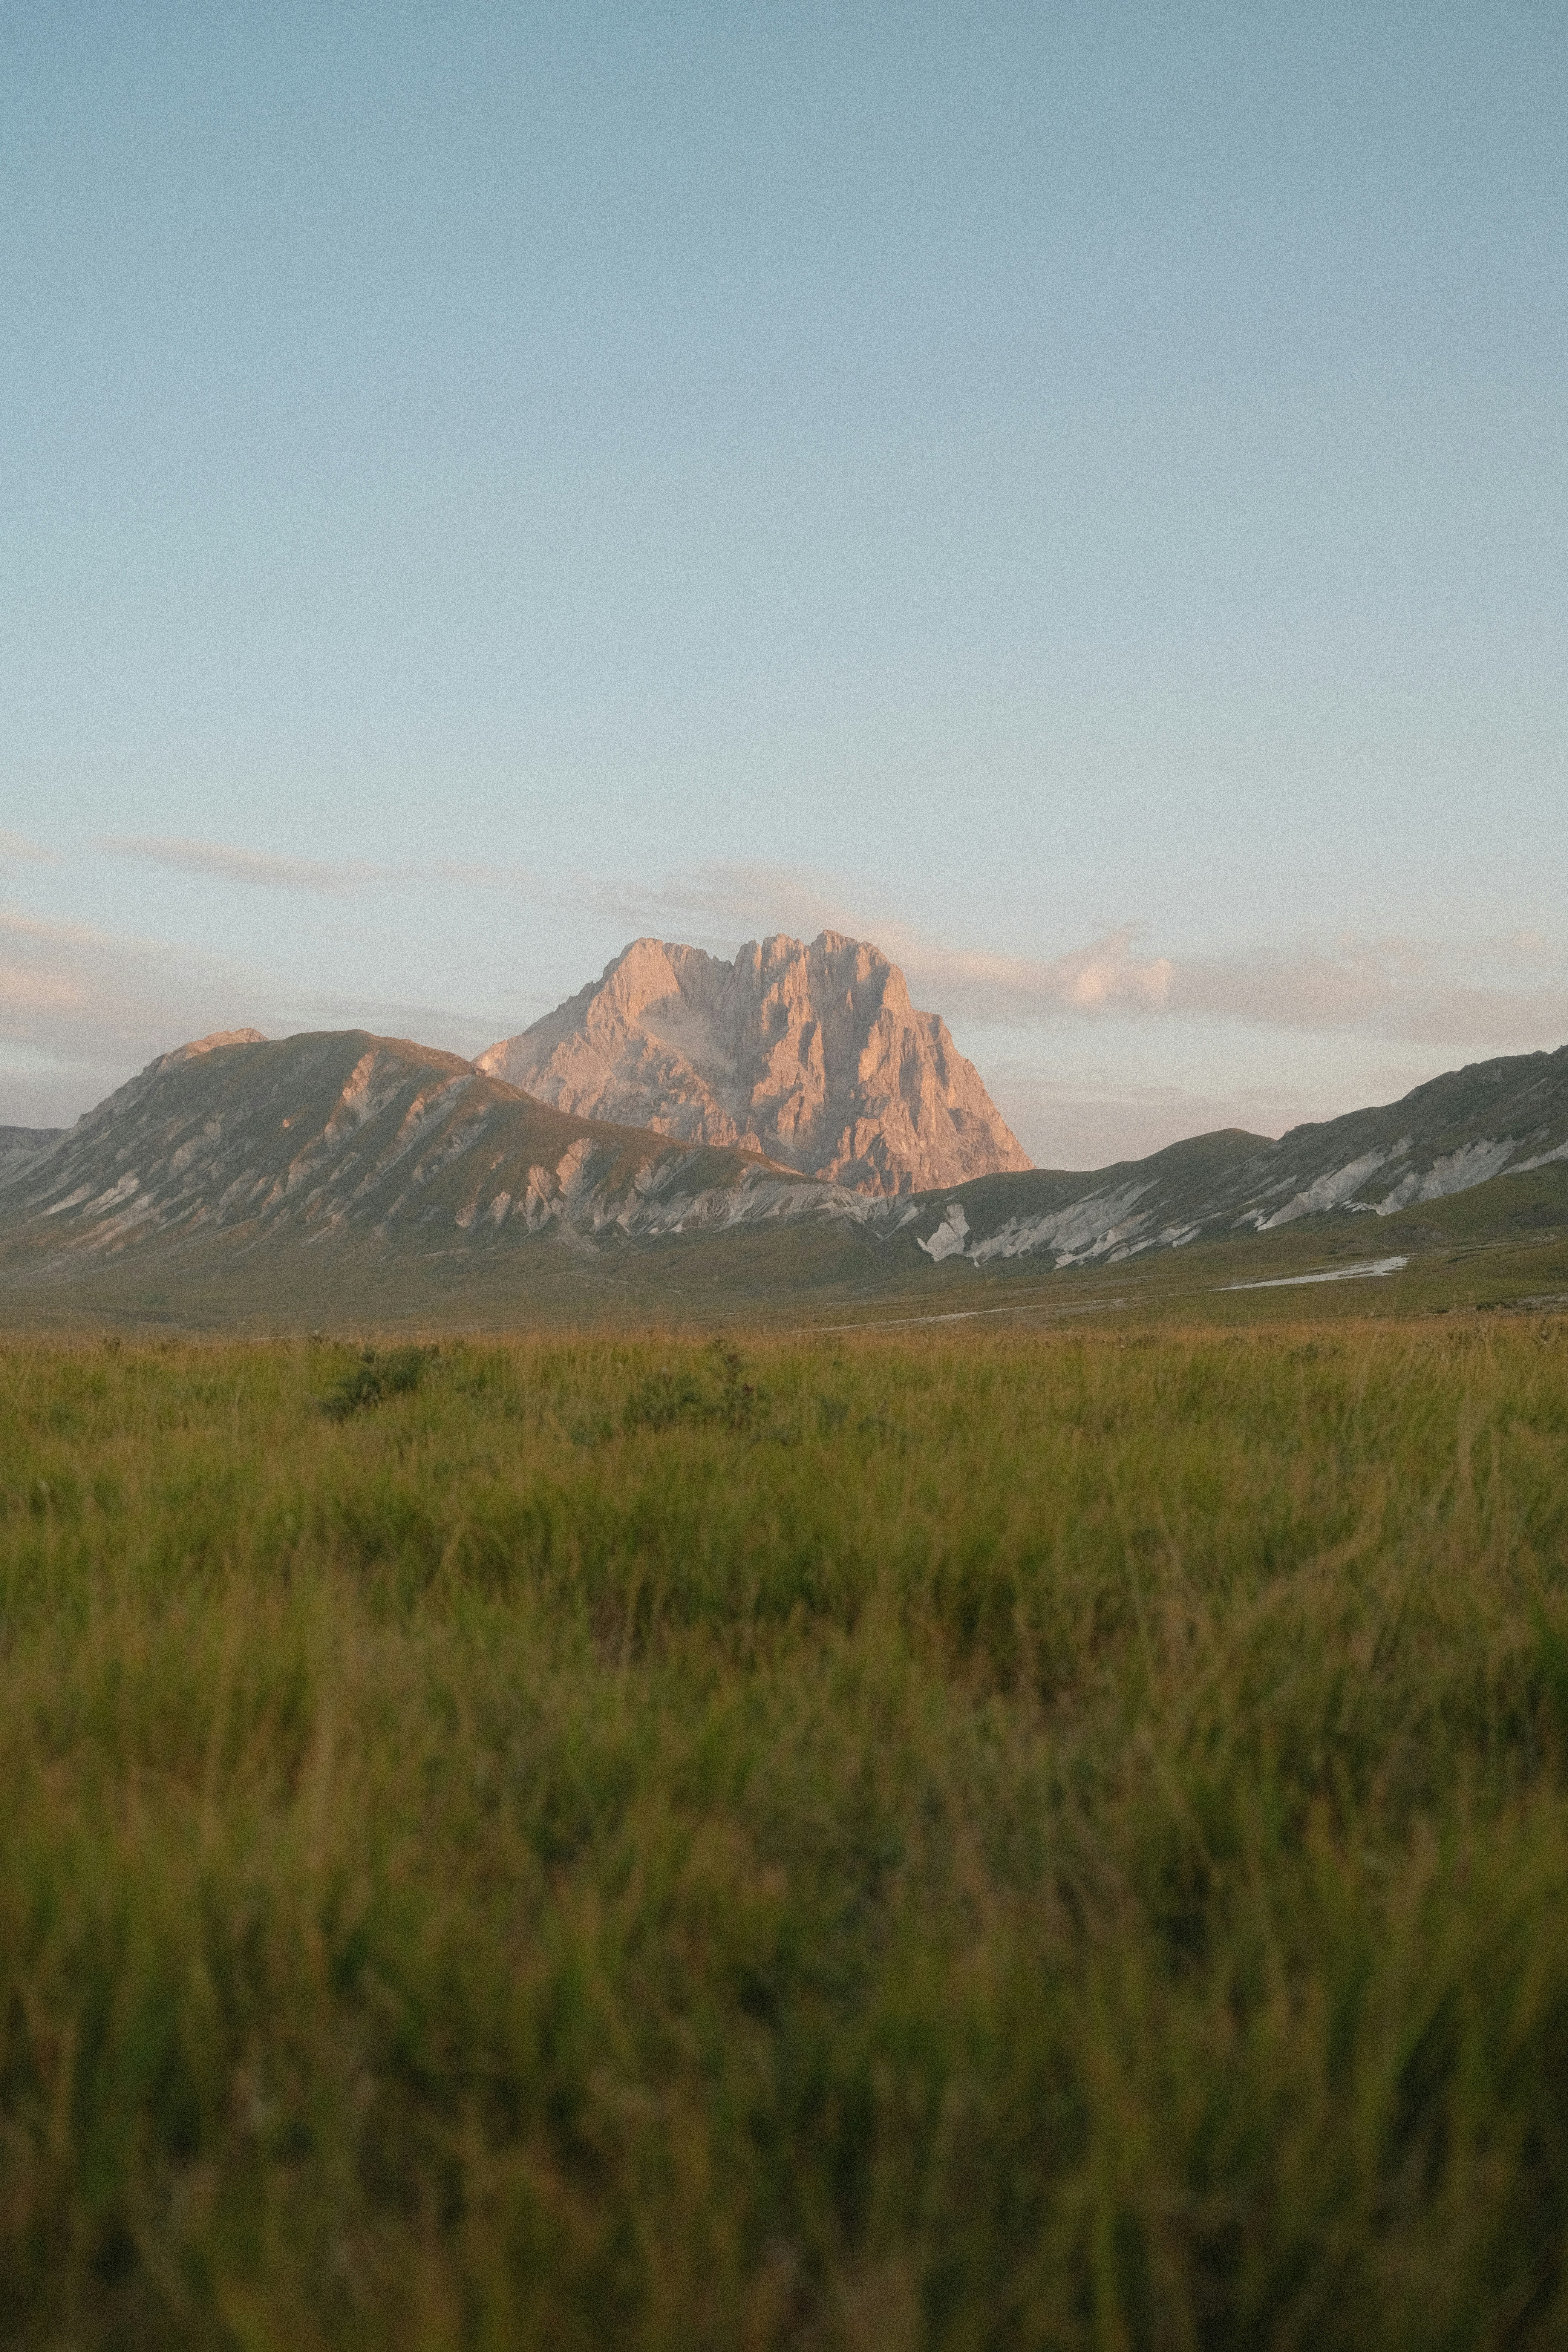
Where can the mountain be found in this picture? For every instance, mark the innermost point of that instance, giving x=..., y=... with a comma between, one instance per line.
x=812, y=1056
x=344, y=1173
x=1455, y=1132
x=343, y=1136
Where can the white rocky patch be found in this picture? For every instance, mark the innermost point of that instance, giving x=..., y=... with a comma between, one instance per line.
x=1328, y=1192
x=115, y=1194
x=72, y=1200
x=1096, y=1226
x=1541, y=1160
x=950, y=1236
x=659, y=1205
x=211, y=1132
x=1458, y=1172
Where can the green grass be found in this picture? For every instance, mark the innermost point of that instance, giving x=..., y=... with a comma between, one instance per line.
x=1010, y=1841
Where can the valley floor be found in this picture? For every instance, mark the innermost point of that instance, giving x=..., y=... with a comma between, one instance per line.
x=1035, y=1837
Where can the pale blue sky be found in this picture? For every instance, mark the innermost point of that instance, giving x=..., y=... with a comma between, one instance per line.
x=479, y=483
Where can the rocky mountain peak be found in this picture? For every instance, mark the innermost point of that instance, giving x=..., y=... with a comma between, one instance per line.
x=209, y=1045
x=809, y=1052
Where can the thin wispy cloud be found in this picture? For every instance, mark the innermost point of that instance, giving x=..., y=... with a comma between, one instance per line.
x=1092, y=1121
x=256, y=868
x=23, y=992
x=333, y=878
x=1106, y=976
x=1451, y=994
x=16, y=851
x=737, y=901
x=1461, y=993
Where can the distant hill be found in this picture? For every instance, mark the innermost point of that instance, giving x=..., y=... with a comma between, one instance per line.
x=22, y=1142
x=811, y=1055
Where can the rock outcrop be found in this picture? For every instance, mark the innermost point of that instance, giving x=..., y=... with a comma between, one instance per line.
x=812, y=1056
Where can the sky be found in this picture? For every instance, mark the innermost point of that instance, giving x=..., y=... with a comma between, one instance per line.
x=1076, y=495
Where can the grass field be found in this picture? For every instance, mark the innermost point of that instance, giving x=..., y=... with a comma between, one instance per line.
x=1052, y=1840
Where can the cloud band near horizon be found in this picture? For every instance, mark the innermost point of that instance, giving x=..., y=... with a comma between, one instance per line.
x=80, y=1009
x=1507, y=994
x=1510, y=994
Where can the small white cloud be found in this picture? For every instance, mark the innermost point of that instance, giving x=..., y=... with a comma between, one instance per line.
x=1106, y=976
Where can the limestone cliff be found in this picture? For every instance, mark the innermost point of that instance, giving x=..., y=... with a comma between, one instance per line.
x=810, y=1055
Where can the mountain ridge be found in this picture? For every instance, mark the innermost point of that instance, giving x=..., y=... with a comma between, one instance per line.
x=1449, y=1135
x=339, y=1154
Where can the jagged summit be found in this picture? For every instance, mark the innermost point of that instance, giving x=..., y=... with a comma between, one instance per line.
x=210, y=1044
x=811, y=1055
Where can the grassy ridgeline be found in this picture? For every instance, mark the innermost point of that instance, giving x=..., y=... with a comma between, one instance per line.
x=990, y=1842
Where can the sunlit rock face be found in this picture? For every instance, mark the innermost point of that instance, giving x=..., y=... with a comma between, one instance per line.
x=811, y=1055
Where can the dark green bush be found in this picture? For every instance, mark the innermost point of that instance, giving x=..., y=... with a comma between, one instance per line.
x=379, y=1373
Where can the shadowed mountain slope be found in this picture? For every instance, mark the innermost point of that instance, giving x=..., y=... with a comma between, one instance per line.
x=812, y=1056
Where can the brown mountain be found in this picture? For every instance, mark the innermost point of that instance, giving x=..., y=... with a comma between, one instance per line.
x=238, y=1142
x=812, y=1056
